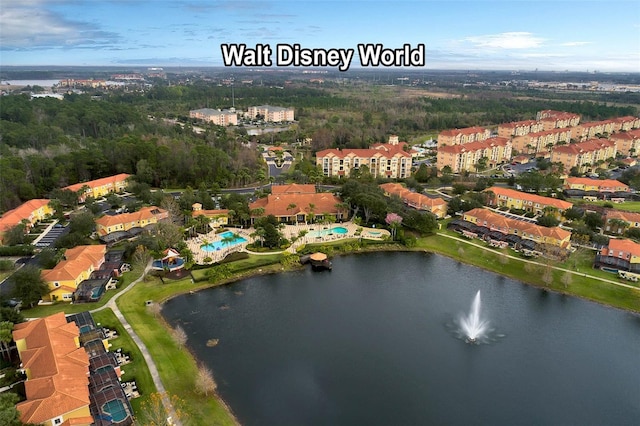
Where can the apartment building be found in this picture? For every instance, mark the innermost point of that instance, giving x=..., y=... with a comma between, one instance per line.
x=437, y=206
x=533, y=203
x=626, y=123
x=465, y=157
x=394, y=164
x=519, y=128
x=621, y=254
x=146, y=216
x=551, y=119
x=541, y=141
x=627, y=142
x=462, y=136
x=225, y=117
x=29, y=213
x=57, y=370
x=99, y=187
x=554, y=236
x=595, y=185
x=270, y=113
x=78, y=264
x=593, y=129
x=584, y=155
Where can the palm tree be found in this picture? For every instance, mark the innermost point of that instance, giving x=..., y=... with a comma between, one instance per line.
x=291, y=207
x=311, y=215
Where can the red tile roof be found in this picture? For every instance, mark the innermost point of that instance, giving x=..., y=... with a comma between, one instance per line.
x=278, y=204
x=474, y=146
x=623, y=245
x=77, y=260
x=601, y=184
x=586, y=146
x=144, y=213
x=464, y=131
x=360, y=153
x=293, y=188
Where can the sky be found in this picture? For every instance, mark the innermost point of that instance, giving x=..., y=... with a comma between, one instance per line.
x=572, y=35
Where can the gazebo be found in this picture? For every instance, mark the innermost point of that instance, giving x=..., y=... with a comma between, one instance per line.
x=171, y=261
x=319, y=260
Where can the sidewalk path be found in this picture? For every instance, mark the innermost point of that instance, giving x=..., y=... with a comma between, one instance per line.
x=143, y=349
x=538, y=263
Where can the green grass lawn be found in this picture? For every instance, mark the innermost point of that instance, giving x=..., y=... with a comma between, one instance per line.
x=627, y=206
x=581, y=286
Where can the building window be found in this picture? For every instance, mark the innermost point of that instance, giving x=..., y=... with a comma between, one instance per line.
x=58, y=420
x=56, y=284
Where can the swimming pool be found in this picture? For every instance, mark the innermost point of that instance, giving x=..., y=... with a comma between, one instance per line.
x=322, y=232
x=219, y=245
x=116, y=410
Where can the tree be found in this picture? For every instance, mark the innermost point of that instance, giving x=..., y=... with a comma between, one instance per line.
x=548, y=221
x=393, y=220
x=205, y=383
x=593, y=221
x=9, y=414
x=29, y=287
x=481, y=165
x=6, y=337
x=82, y=223
x=15, y=235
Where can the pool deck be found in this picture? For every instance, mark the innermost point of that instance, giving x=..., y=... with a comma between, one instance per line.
x=288, y=231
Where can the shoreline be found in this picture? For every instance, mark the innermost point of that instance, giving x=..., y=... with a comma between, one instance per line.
x=390, y=247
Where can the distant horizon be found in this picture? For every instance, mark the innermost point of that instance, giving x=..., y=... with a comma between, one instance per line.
x=458, y=35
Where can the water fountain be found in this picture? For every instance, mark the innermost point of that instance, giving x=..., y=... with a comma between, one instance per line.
x=472, y=326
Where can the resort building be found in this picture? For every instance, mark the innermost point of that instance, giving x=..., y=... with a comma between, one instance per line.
x=595, y=185
x=394, y=164
x=462, y=136
x=100, y=187
x=537, y=204
x=298, y=204
x=78, y=265
x=537, y=142
x=625, y=124
x=467, y=157
x=395, y=145
x=593, y=129
x=627, y=142
x=618, y=221
x=28, y=213
x=551, y=119
x=437, y=206
x=554, y=236
x=272, y=114
x=217, y=218
x=519, y=128
x=57, y=370
x=584, y=155
x=146, y=216
x=620, y=254
x=225, y=117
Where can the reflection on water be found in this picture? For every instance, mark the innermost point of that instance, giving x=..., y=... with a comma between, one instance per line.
x=371, y=343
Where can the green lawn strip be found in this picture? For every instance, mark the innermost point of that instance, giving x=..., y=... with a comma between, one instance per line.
x=69, y=308
x=629, y=206
x=177, y=368
x=137, y=369
x=582, y=286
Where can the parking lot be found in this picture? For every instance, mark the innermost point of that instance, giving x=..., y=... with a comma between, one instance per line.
x=49, y=237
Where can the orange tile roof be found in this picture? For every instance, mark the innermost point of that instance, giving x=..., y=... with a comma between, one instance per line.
x=514, y=124
x=77, y=260
x=630, y=217
x=98, y=182
x=411, y=197
x=220, y=212
x=600, y=183
x=277, y=204
x=144, y=213
x=360, y=153
x=502, y=223
x=23, y=211
x=624, y=245
x=517, y=195
x=58, y=369
x=586, y=146
x=474, y=146
x=550, y=132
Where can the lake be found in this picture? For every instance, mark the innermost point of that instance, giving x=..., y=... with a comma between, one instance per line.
x=375, y=342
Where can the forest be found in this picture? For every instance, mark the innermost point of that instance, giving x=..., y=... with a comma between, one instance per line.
x=47, y=143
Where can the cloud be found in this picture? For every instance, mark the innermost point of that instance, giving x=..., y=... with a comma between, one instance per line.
x=29, y=25
x=575, y=43
x=509, y=40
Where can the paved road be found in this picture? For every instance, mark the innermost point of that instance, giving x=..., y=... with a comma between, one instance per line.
x=143, y=348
